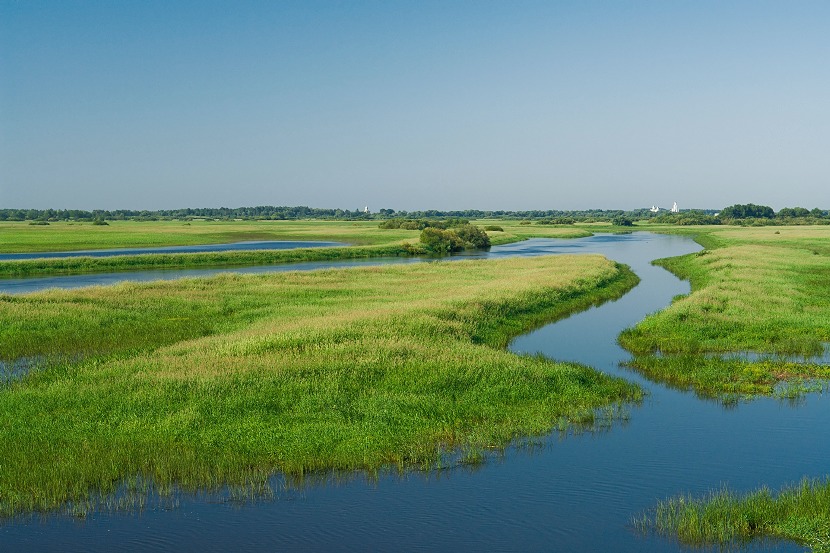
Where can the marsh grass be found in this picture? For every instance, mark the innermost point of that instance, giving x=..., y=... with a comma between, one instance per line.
x=800, y=513
x=755, y=291
x=201, y=383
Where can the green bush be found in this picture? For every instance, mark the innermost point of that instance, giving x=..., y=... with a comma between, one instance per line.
x=473, y=237
x=436, y=240
x=494, y=228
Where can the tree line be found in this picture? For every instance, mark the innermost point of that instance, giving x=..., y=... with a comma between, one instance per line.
x=738, y=213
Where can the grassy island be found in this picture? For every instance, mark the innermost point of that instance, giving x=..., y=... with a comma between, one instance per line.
x=764, y=291
x=199, y=382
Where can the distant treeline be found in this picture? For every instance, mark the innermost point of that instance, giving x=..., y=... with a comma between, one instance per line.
x=739, y=213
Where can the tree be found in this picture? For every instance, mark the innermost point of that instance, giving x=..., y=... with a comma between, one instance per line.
x=747, y=211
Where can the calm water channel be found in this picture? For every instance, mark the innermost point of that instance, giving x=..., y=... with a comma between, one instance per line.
x=234, y=246
x=576, y=493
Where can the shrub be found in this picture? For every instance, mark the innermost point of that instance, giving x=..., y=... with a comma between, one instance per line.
x=622, y=222
x=494, y=228
x=473, y=237
x=436, y=240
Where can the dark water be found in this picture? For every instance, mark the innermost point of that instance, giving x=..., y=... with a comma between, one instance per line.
x=576, y=493
x=235, y=246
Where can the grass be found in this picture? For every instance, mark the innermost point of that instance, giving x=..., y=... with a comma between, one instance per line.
x=753, y=290
x=197, y=383
x=800, y=513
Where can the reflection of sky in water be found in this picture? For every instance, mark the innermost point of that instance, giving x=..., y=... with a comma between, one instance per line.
x=201, y=248
x=576, y=494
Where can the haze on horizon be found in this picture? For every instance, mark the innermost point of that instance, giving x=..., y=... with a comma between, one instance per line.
x=411, y=106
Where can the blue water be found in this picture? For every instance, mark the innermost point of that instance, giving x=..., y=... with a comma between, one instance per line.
x=571, y=493
x=232, y=247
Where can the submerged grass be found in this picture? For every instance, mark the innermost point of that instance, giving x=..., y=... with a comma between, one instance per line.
x=201, y=382
x=800, y=513
x=754, y=291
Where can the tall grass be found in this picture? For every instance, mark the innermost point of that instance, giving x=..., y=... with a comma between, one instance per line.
x=200, y=382
x=800, y=513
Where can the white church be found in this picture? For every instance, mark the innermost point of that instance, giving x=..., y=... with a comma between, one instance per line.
x=674, y=208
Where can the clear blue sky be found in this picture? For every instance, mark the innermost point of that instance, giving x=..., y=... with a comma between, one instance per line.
x=414, y=105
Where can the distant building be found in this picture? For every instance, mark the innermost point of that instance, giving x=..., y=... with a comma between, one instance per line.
x=674, y=208
x=654, y=209
x=366, y=209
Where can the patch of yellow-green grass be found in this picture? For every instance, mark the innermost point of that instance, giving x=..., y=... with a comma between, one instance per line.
x=201, y=382
x=800, y=513
x=756, y=291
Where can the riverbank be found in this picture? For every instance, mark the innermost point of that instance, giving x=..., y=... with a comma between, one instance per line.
x=199, y=382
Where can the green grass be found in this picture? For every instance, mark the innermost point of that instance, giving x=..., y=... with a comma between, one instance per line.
x=753, y=290
x=200, y=382
x=800, y=513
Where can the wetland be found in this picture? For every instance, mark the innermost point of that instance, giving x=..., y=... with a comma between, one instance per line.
x=579, y=487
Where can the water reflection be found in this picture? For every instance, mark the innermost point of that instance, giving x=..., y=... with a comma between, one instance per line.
x=200, y=248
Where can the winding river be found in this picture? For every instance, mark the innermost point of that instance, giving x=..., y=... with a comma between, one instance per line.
x=563, y=493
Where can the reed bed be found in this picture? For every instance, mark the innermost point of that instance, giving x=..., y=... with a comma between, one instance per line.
x=197, y=383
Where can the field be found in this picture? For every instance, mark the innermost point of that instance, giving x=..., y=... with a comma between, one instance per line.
x=200, y=382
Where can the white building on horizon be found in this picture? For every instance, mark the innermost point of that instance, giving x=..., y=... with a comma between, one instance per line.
x=674, y=208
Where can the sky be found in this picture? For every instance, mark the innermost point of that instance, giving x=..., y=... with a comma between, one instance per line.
x=414, y=105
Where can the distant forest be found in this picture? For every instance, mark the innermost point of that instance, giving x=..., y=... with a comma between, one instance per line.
x=736, y=214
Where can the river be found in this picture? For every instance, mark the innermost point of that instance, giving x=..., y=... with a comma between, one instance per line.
x=564, y=493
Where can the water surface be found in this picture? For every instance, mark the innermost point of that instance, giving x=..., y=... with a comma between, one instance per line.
x=200, y=248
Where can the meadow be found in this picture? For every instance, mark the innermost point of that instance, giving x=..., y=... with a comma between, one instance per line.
x=197, y=383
